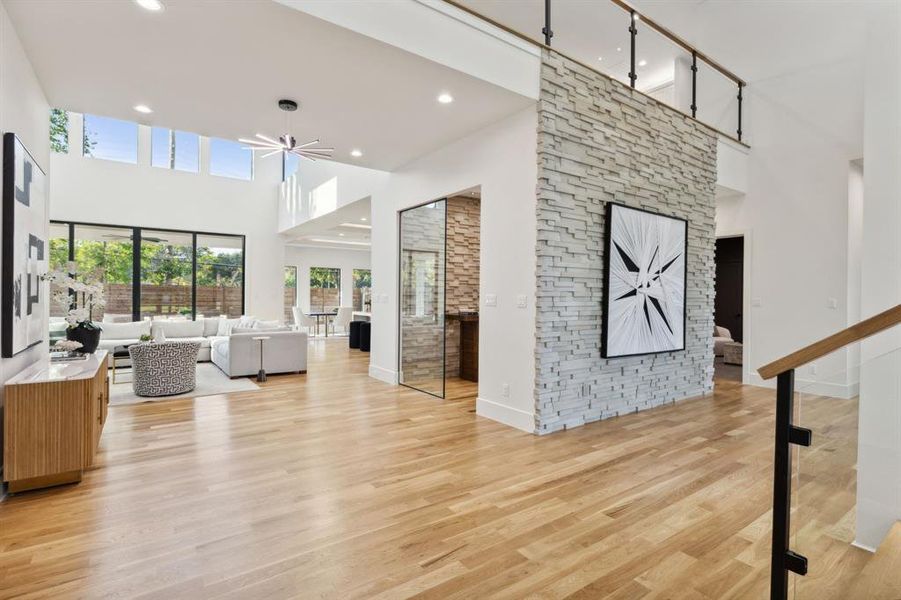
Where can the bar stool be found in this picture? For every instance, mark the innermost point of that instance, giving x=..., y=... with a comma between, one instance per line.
x=354, y=337
x=365, y=334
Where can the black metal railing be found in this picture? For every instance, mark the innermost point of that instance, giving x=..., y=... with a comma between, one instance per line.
x=782, y=558
x=634, y=18
x=633, y=76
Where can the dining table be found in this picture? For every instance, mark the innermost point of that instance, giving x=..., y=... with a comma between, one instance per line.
x=320, y=315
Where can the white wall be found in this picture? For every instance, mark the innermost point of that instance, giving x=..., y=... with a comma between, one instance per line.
x=101, y=191
x=321, y=187
x=305, y=257
x=796, y=208
x=502, y=160
x=25, y=112
x=879, y=436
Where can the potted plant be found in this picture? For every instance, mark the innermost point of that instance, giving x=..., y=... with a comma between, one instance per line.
x=79, y=299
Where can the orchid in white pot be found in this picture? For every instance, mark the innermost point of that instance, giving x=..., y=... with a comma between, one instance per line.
x=79, y=299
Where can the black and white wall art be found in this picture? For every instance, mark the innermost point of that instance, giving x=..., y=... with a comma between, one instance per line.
x=644, y=282
x=25, y=249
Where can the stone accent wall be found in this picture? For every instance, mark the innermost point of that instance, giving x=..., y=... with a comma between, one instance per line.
x=599, y=141
x=463, y=232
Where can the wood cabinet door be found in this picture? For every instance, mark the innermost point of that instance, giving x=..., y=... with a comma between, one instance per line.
x=45, y=429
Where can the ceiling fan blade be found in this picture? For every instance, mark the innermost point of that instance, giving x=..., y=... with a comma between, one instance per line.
x=268, y=154
x=316, y=141
x=319, y=150
x=269, y=139
x=320, y=154
x=255, y=142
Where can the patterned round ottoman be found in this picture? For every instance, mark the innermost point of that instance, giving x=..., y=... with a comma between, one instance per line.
x=164, y=368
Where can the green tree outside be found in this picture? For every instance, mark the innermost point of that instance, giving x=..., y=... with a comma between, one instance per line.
x=59, y=133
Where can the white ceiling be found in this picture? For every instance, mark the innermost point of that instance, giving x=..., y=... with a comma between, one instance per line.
x=347, y=227
x=218, y=68
x=765, y=42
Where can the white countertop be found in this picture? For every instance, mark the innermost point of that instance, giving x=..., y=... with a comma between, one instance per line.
x=45, y=371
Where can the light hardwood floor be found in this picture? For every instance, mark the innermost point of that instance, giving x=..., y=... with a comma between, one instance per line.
x=334, y=485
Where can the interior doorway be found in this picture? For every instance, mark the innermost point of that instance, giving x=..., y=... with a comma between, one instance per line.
x=439, y=280
x=729, y=308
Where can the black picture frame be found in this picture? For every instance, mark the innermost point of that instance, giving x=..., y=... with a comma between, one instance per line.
x=605, y=307
x=26, y=250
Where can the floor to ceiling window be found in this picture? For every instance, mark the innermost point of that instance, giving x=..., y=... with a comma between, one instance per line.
x=290, y=293
x=325, y=289
x=59, y=260
x=166, y=273
x=362, y=289
x=220, y=275
x=180, y=273
x=105, y=255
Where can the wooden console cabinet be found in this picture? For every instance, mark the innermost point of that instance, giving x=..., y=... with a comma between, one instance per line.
x=53, y=417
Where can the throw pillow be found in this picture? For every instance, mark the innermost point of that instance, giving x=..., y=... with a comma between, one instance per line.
x=226, y=326
x=179, y=329
x=268, y=325
x=247, y=322
x=124, y=331
x=211, y=326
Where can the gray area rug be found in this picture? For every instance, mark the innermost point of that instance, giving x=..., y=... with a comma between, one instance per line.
x=210, y=381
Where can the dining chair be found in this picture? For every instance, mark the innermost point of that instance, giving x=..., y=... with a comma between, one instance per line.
x=302, y=321
x=342, y=319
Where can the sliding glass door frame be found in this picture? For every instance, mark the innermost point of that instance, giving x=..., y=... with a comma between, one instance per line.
x=136, y=259
x=400, y=302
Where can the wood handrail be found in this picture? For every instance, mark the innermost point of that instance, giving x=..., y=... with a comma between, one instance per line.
x=855, y=333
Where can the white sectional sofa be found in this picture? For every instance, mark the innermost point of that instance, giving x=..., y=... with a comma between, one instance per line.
x=227, y=343
x=239, y=354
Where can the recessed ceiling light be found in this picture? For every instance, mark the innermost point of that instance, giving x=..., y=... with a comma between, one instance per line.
x=341, y=234
x=362, y=218
x=600, y=58
x=642, y=63
x=619, y=49
x=356, y=153
x=143, y=108
x=445, y=98
x=356, y=225
x=154, y=5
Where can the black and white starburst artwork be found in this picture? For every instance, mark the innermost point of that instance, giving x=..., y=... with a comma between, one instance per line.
x=645, y=294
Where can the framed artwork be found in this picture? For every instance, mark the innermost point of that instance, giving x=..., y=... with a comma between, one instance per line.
x=644, y=282
x=25, y=249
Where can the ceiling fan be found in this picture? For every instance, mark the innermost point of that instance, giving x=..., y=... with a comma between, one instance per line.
x=287, y=143
x=144, y=238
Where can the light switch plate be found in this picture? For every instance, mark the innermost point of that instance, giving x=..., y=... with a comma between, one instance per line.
x=490, y=299
x=832, y=303
x=755, y=302
x=521, y=301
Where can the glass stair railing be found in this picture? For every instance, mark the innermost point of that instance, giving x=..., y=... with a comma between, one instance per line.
x=837, y=470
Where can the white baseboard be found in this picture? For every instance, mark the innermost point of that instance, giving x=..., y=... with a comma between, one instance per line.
x=514, y=417
x=857, y=544
x=843, y=391
x=386, y=375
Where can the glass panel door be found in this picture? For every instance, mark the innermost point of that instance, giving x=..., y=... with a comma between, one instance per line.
x=167, y=259
x=104, y=255
x=220, y=275
x=422, y=279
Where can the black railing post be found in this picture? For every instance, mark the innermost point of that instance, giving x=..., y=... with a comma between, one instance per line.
x=694, y=84
x=783, y=559
x=547, y=31
x=740, y=86
x=633, y=31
